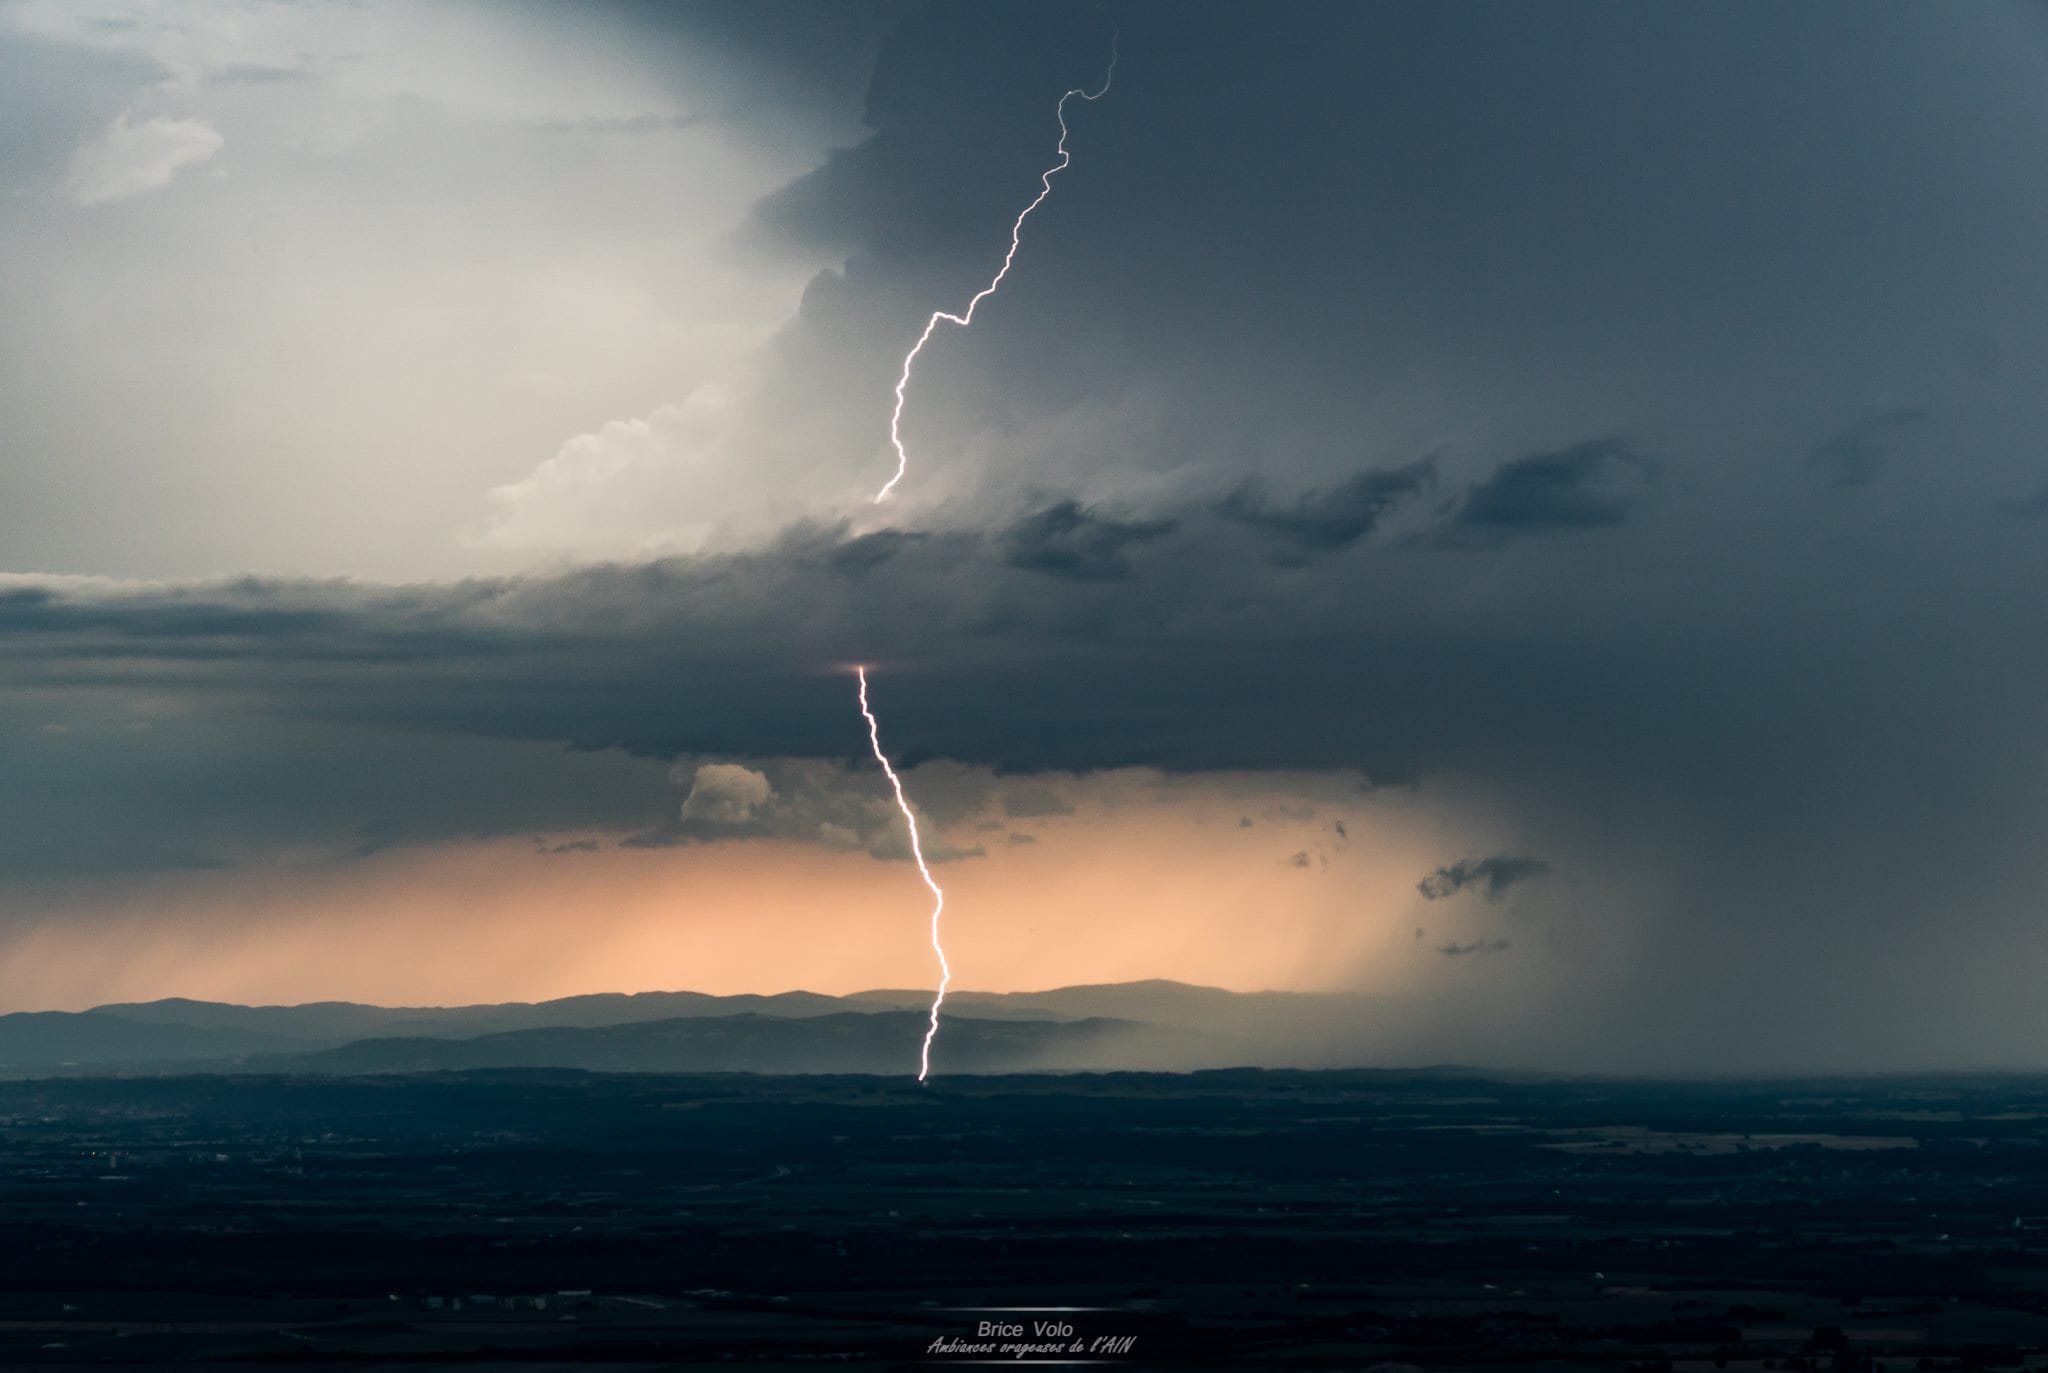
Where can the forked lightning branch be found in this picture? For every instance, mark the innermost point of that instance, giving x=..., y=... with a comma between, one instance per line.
x=924, y=1062
x=963, y=319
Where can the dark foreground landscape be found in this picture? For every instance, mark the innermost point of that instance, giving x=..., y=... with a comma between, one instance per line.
x=556, y=1219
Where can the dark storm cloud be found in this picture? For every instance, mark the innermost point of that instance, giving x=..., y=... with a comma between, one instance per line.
x=736, y=655
x=958, y=105
x=1204, y=655
x=1317, y=521
x=780, y=62
x=174, y=776
x=1489, y=876
x=1856, y=456
x=1587, y=486
x=249, y=608
x=975, y=657
x=1289, y=226
x=1067, y=540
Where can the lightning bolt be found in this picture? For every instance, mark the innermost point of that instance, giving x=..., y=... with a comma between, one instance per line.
x=966, y=317
x=924, y=1062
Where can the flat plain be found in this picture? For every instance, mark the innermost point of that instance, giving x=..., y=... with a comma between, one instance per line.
x=1338, y=1220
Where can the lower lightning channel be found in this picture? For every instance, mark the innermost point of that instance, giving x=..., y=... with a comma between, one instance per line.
x=924, y=1062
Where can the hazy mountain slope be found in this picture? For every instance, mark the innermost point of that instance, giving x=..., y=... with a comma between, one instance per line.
x=1162, y=1025
x=848, y=1042
x=337, y=1022
x=46, y=1041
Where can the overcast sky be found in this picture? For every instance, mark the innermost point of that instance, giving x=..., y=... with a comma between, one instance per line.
x=1536, y=513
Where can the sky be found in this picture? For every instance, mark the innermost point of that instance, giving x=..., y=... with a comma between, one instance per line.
x=1530, y=514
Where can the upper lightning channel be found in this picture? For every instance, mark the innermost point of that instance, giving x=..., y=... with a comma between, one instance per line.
x=924, y=1063
x=966, y=317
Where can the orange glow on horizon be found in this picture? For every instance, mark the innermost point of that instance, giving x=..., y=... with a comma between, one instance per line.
x=1124, y=889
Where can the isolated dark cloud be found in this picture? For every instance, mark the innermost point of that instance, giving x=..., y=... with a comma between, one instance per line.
x=1586, y=486
x=1488, y=876
x=1316, y=521
x=1455, y=950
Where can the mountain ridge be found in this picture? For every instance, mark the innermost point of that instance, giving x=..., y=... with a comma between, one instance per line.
x=1156, y=1023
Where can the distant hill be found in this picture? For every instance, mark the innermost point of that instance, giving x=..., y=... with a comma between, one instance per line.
x=1130, y=1025
x=848, y=1042
x=338, y=1021
x=49, y=1041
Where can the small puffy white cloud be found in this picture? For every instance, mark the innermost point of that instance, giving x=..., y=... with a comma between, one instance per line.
x=823, y=802
x=136, y=156
x=726, y=794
